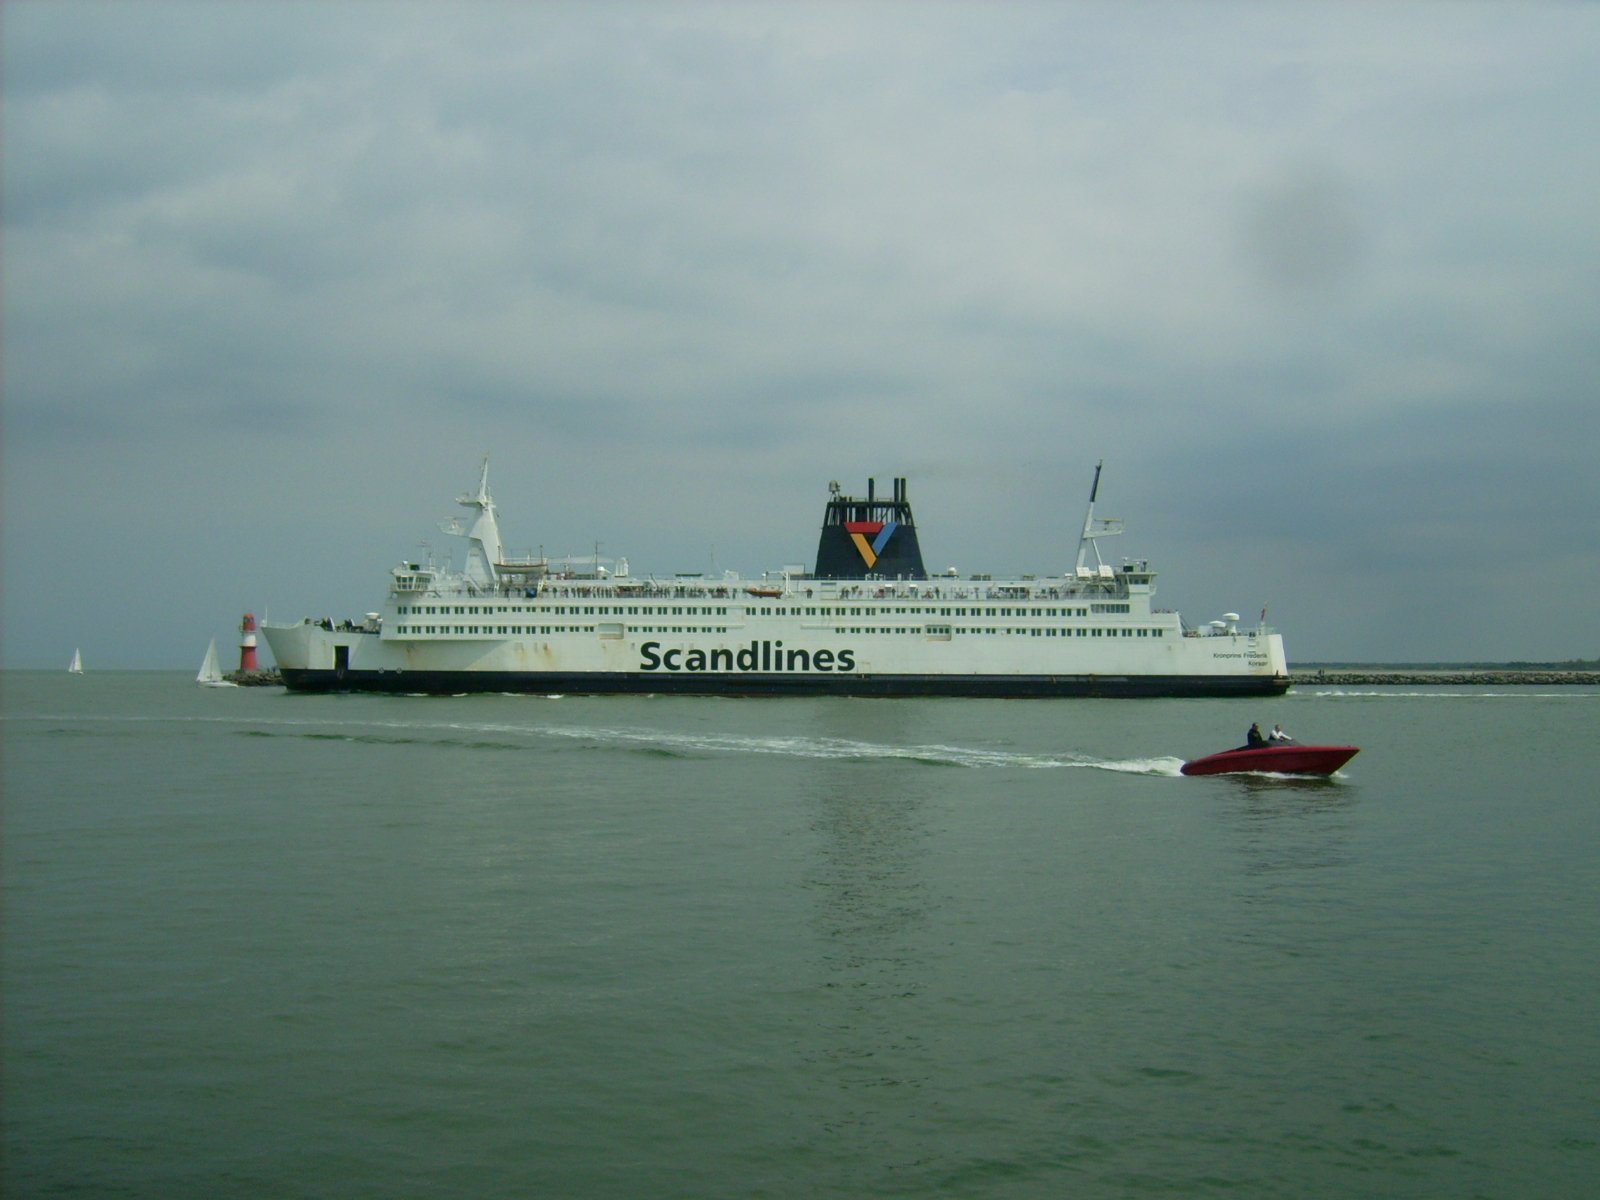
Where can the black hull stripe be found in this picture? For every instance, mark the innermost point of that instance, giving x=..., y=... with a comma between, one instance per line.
x=703, y=684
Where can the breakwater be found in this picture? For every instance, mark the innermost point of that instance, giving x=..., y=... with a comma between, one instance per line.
x=1488, y=677
x=262, y=678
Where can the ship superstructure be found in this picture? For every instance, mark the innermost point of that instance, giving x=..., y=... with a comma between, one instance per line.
x=867, y=620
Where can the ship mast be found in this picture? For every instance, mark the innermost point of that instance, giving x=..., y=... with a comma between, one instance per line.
x=1092, y=528
x=483, y=537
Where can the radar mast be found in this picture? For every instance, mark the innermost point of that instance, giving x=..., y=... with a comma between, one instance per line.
x=1095, y=528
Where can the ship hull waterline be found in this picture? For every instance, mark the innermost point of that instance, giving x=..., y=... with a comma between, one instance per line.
x=447, y=683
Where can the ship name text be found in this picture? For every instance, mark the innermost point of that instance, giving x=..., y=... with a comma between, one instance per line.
x=757, y=656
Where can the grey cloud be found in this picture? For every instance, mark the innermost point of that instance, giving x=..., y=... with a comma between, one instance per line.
x=1291, y=274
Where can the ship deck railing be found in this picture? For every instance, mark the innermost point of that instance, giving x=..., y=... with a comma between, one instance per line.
x=797, y=591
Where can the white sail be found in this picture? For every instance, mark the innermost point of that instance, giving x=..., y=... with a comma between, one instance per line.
x=75, y=667
x=210, y=672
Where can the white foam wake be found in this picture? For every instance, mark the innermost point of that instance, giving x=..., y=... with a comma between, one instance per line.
x=687, y=743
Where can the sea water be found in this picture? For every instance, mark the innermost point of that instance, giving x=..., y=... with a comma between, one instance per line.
x=261, y=944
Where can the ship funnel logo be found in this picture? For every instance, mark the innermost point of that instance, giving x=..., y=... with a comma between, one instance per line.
x=870, y=538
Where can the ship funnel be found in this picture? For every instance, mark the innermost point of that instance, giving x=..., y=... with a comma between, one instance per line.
x=869, y=538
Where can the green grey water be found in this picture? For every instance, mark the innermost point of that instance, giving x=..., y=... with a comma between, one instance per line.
x=257, y=944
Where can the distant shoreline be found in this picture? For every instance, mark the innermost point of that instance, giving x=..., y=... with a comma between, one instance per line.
x=1459, y=676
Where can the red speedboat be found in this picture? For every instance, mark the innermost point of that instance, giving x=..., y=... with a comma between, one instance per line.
x=1278, y=758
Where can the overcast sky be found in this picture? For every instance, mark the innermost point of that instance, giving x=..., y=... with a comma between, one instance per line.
x=1321, y=285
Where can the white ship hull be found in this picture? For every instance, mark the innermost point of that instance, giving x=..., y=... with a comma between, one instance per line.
x=779, y=657
x=1089, y=632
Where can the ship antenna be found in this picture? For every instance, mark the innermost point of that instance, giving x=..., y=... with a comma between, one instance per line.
x=483, y=537
x=1092, y=528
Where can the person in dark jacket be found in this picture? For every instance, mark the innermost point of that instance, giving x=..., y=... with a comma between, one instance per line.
x=1254, y=738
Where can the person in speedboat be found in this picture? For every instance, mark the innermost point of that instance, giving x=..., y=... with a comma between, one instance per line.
x=1253, y=740
x=1278, y=735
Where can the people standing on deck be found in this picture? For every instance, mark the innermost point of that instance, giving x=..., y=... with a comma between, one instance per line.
x=1253, y=739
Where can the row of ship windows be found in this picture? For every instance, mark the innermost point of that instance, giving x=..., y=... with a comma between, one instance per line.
x=634, y=610
x=1003, y=611
x=929, y=631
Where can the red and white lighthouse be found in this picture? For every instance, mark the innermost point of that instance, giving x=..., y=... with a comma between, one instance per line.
x=247, y=643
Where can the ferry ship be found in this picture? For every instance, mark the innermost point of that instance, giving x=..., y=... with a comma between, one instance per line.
x=868, y=620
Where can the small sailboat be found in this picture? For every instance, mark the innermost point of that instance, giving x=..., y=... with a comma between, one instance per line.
x=75, y=667
x=210, y=673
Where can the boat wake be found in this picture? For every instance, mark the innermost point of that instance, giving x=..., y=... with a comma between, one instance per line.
x=1171, y=767
x=662, y=743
